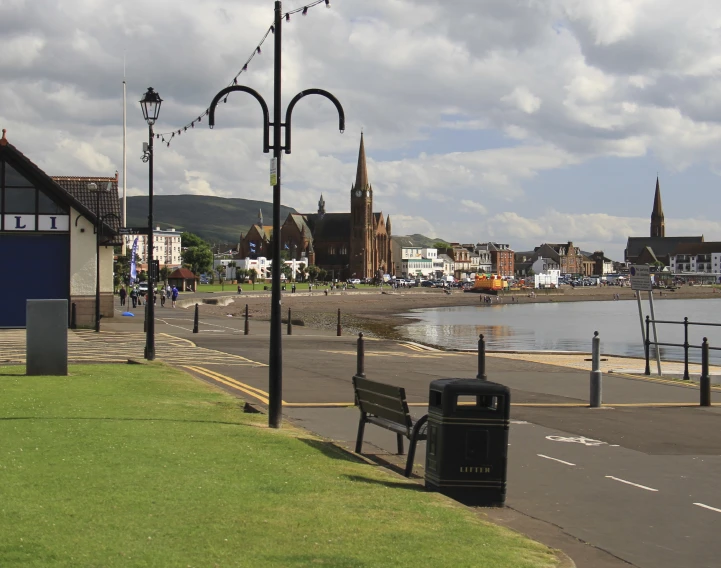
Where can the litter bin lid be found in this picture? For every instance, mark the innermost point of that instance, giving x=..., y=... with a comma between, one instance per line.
x=468, y=386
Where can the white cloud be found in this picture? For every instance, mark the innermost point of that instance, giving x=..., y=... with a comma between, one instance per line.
x=468, y=107
x=523, y=99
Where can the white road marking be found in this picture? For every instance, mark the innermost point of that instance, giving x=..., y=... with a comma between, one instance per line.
x=576, y=439
x=519, y=422
x=630, y=483
x=554, y=459
x=707, y=507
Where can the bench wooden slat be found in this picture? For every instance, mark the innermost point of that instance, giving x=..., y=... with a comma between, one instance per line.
x=393, y=402
x=390, y=415
x=381, y=388
x=388, y=425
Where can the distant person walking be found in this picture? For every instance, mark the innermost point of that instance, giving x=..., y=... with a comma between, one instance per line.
x=174, y=295
x=134, y=297
x=240, y=290
x=123, y=294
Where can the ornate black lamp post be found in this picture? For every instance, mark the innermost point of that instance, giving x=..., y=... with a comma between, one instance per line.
x=275, y=378
x=150, y=103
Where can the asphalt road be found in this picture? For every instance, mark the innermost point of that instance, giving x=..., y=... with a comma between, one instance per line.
x=636, y=480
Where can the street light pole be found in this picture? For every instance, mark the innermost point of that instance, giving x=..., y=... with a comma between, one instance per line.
x=275, y=371
x=151, y=109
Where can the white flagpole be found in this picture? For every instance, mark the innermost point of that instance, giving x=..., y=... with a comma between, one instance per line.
x=125, y=159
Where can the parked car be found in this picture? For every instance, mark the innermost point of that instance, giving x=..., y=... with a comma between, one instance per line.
x=354, y=281
x=142, y=288
x=427, y=284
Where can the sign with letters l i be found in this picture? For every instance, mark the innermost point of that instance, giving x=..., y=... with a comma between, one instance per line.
x=273, y=171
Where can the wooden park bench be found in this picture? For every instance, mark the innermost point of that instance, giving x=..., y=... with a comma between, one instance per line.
x=385, y=406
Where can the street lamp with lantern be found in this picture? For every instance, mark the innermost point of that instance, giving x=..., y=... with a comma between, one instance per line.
x=150, y=104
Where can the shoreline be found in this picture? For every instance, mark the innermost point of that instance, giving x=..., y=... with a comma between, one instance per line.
x=381, y=313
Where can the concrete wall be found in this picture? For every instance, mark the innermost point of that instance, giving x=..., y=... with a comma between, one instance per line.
x=83, y=271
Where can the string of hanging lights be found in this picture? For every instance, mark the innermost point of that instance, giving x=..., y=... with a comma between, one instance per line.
x=167, y=137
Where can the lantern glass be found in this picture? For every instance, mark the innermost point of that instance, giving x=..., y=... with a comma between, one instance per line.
x=150, y=104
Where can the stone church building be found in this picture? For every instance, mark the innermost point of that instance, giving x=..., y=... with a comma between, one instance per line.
x=346, y=245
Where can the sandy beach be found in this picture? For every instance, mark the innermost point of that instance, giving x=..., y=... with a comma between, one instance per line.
x=378, y=312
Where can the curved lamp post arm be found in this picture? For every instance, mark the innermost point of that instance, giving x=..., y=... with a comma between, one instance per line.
x=263, y=106
x=321, y=92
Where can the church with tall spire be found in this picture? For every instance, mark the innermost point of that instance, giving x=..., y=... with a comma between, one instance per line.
x=345, y=245
x=656, y=248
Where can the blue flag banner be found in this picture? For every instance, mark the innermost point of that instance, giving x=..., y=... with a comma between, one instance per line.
x=133, y=267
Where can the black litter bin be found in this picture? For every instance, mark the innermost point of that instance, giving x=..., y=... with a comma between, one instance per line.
x=467, y=447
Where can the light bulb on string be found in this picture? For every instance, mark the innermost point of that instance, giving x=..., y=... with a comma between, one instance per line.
x=305, y=10
x=287, y=17
x=327, y=3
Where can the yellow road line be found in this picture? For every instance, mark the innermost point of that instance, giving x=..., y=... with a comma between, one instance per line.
x=230, y=382
x=677, y=382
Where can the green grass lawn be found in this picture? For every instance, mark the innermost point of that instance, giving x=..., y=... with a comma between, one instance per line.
x=135, y=465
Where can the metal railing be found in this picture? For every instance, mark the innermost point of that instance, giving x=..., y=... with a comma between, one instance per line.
x=685, y=345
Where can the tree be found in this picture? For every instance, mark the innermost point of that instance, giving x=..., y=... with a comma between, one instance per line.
x=192, y=240
x=313, y=271
x=287, y=271
x=242, y=274
x=233, y=264
x=122, y=270
x=164, y=273
x=322, y=274
x=253, y=273
x=199, y=258
x=442, y=245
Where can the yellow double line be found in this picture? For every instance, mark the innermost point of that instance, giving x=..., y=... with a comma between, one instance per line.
x=262, y=396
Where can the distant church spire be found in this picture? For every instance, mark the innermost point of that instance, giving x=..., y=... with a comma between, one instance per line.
x=361, y=176
x=658, y=227
x=321, y=206
x=260, y=217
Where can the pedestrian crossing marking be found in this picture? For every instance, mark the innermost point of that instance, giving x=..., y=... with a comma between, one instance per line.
x=87, y=346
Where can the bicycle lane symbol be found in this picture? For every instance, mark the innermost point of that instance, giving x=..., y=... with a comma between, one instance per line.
x=577, y=440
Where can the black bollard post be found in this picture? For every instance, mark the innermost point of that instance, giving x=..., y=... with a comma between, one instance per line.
x=247, y=325
x=73, y=316
x=338, y=329
x=648, y=348
x=481, y=359
x=360, y=358
x=705, y=379
x=195, y=320
x=685, y=350
x=290, y=325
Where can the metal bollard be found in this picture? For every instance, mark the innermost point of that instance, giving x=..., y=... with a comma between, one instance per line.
x=247, y=325
x=686, y=376
x=338, y=329
x=705, y=379
x=73, y=316
x=596, y=371
x=481, y=359
x=360, y=357
x=195, y=320
x=647, y=371
x=290, y=325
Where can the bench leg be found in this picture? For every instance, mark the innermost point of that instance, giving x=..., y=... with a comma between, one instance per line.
x=399, y=437
x=412, y=445
x=361, y=428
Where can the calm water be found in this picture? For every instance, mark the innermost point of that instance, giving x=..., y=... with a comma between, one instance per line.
x=568, y=326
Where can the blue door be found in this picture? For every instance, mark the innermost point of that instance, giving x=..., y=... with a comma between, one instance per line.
x=33, y=267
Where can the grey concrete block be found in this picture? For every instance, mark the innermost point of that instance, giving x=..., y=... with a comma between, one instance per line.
x=47, y=337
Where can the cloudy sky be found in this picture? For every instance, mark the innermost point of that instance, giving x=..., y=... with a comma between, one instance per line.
x=519, y=121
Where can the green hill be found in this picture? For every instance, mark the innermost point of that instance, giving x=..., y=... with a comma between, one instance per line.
x=215, y=219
